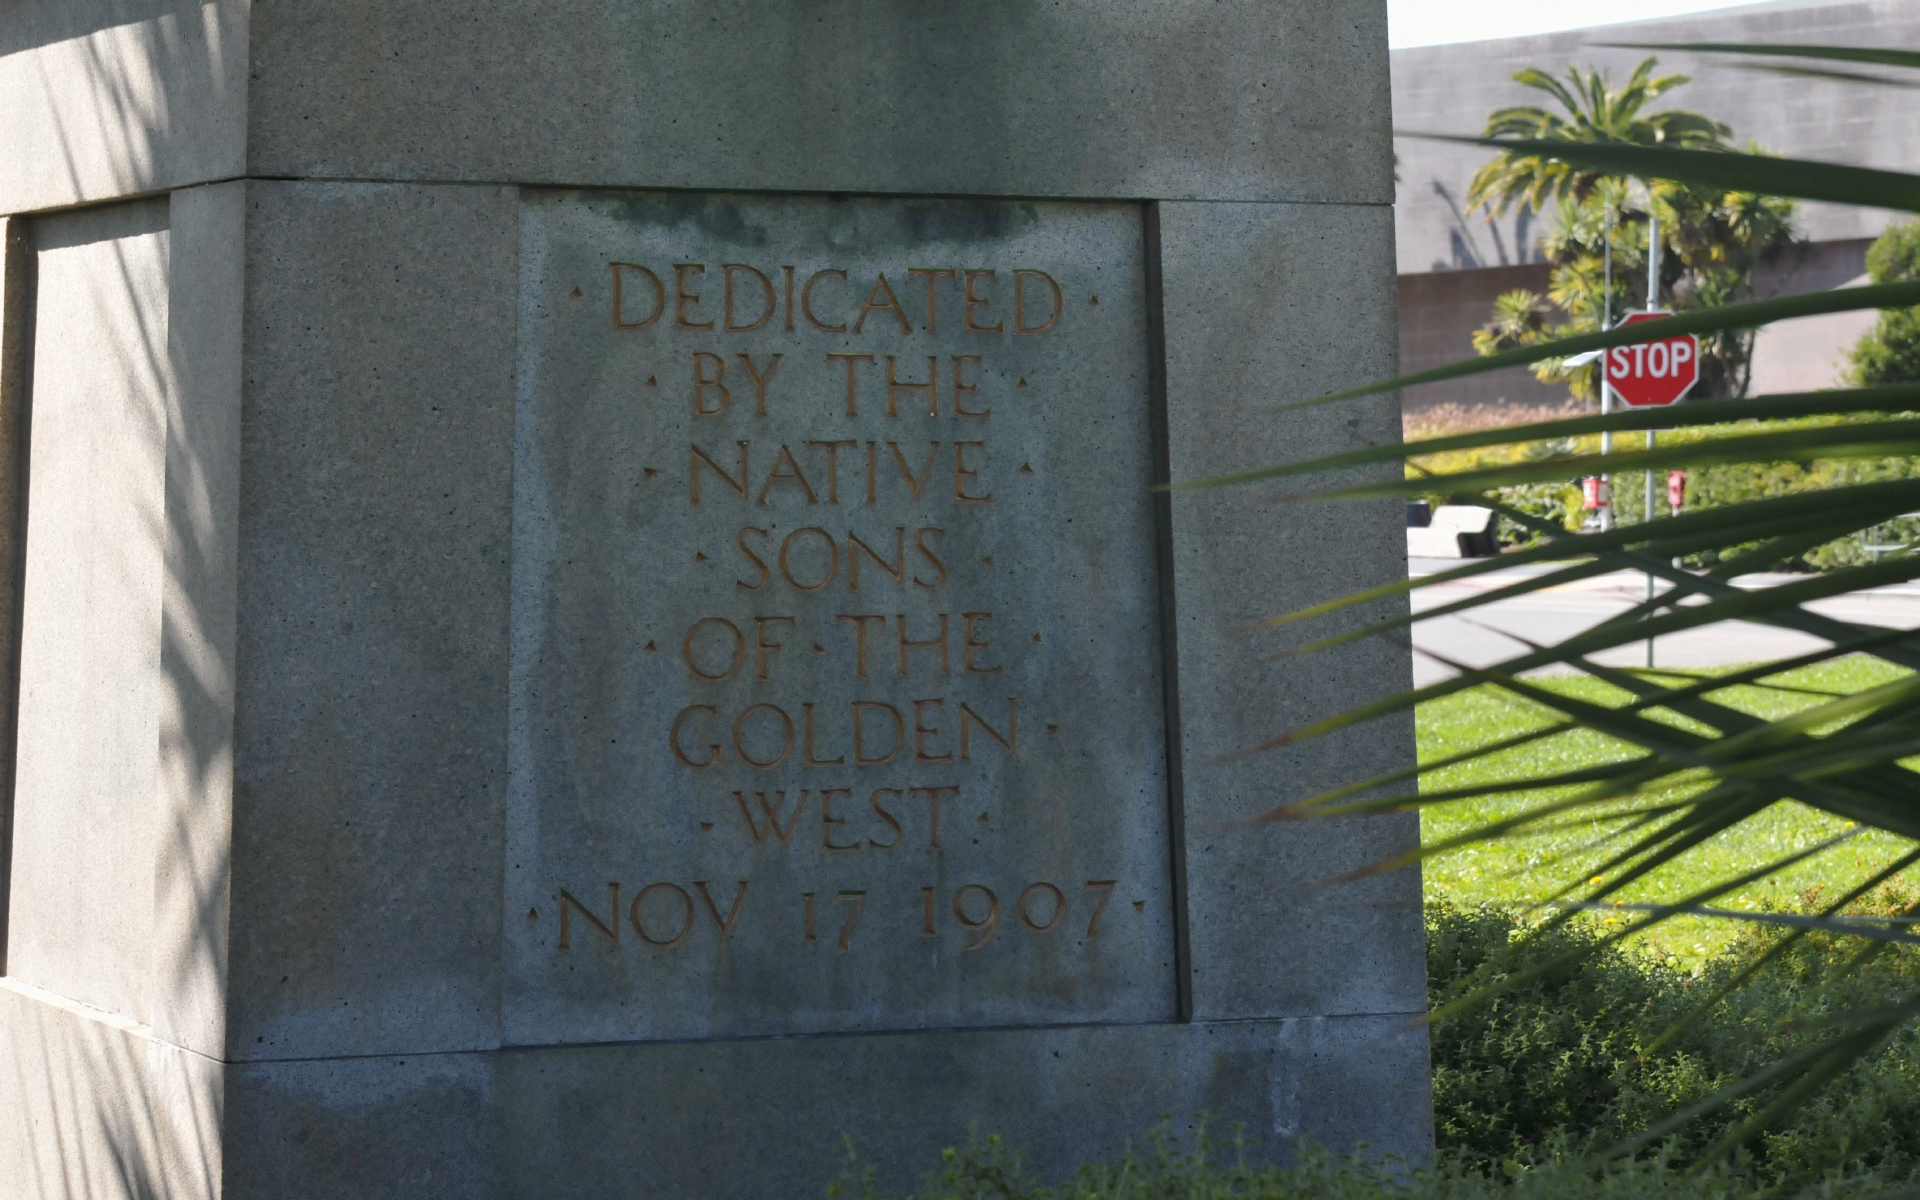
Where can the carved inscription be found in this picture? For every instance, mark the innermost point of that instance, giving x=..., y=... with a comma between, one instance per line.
x=672, y=925
x=836, y=630
x=878, y=476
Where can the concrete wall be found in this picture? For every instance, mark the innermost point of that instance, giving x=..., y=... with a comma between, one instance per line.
x=1439, y=311
x=115, y=992
x=82, y=912
x=1809, y=353
x=1452, y=89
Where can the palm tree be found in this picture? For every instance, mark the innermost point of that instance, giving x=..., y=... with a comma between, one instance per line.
x=1520, y=318
x=1595, y=112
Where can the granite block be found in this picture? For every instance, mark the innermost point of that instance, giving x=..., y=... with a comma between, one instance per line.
x=113, y=98
x=594, y=614
x=375, y=492
x=1267, y=304
x=1242, y=100
x=92, y=1107
x=678, y=1120
x=87, y=778
x=194, y=825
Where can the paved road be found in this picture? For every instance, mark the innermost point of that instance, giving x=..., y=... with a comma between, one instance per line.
x=1561, y=611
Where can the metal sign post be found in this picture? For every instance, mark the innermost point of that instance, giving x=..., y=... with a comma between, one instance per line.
x=1606, y=396
x=1653, y=305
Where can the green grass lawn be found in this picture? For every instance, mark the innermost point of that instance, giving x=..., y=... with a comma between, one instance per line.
x=1527, y=870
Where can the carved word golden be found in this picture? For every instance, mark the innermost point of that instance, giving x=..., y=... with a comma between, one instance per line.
x=878, y=734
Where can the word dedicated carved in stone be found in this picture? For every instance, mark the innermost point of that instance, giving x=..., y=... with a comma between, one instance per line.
x=835, y=617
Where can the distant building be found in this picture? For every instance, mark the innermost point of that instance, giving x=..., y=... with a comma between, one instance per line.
x=1453, y=262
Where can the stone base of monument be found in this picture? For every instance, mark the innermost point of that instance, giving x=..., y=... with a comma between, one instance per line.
x=552, y=659
x=122, y=1112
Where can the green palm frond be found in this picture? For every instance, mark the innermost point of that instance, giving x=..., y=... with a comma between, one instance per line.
x=1854, y=54
x=1691, y=764
x=1594, y=112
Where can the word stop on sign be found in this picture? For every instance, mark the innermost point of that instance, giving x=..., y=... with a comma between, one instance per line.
x=1656, y=372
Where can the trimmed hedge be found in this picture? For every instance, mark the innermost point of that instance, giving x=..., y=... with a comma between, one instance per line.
x=1567, y=1058
x=1710, y=487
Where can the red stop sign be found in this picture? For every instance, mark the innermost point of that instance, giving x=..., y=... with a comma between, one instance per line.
x=1652, y=373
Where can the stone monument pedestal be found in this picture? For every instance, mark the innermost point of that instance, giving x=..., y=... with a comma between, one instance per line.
x=589, y=614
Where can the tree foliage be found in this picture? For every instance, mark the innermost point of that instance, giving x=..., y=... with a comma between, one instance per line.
x=1591, y=111
x=1712, y=238
x=1890, y=351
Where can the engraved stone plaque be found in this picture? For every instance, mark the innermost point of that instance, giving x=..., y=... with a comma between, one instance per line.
x=837, y=694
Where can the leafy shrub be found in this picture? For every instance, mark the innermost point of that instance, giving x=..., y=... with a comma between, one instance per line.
x=1569, y=1058
x=1733, y=483
x=1559, y=503
x=1890, y=351
x=1709, y=487
x=984, y=1169
x=1549, y=1056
